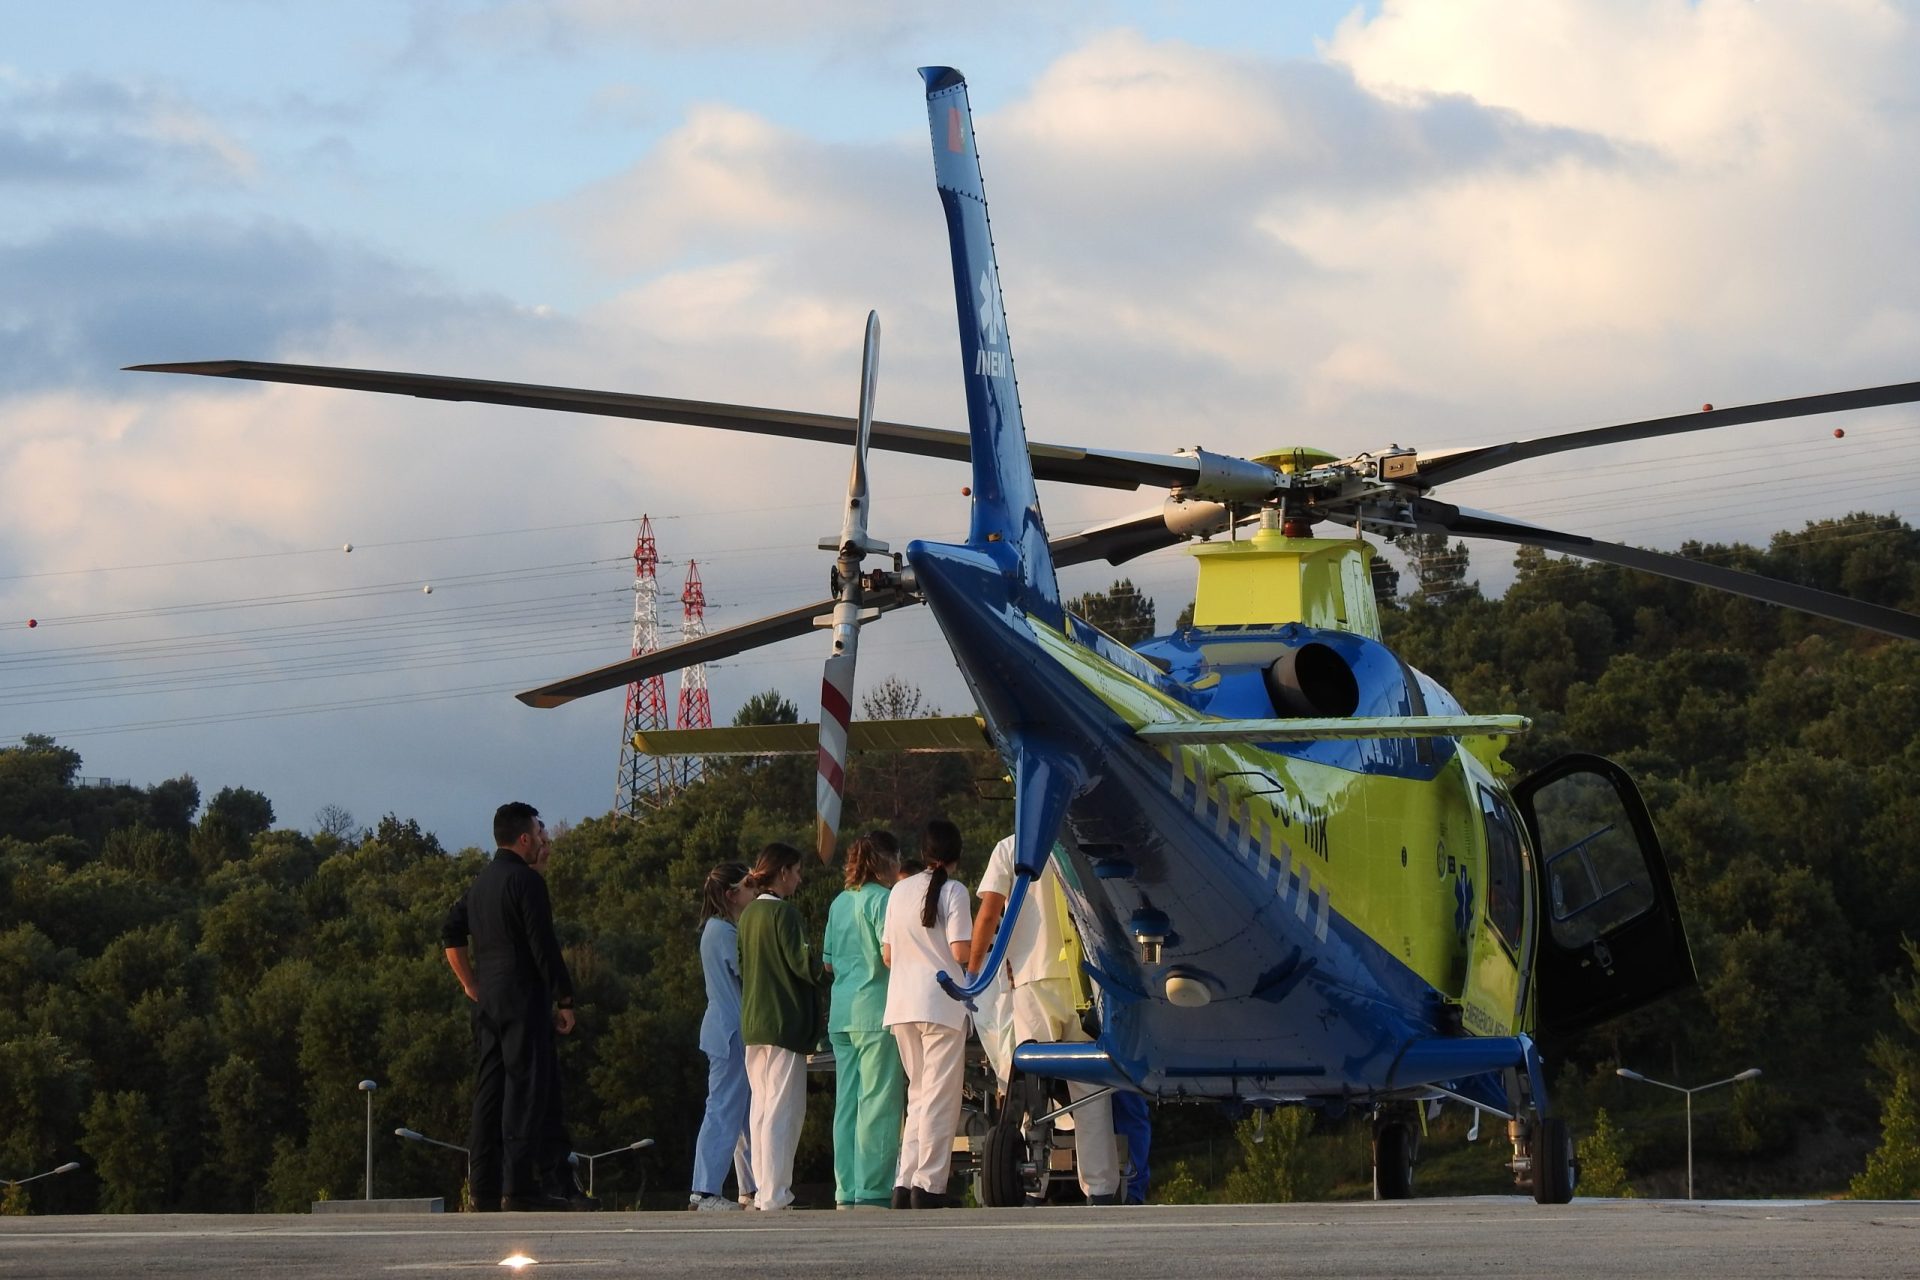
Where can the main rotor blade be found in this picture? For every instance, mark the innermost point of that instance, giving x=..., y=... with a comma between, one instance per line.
x=1066, y=464
x=1438, y=468
x=718, y=644
x=1119, y=540
x=1439, y=517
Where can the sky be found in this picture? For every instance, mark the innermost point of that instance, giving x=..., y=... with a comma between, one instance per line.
x=1246, y=226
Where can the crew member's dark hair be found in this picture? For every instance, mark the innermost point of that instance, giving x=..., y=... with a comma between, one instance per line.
x=513, y=820
x=721, y=881
x=872, y=859
x=940, y=849
x=773, y=859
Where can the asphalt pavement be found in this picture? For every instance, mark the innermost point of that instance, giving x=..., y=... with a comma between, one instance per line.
x=1482, y=1236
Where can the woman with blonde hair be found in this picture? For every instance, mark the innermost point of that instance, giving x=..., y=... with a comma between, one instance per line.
x=723, y=1132
x=779, y=1018
x=929, y=923
x=869, y=1088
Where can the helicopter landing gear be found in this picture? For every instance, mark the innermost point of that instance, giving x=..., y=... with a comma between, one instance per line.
x=1543, y=1155
x=1396, y=1145
x=1552, y=1167
x=1016, y=1167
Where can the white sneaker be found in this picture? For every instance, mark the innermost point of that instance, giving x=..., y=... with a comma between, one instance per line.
x=711, y=1204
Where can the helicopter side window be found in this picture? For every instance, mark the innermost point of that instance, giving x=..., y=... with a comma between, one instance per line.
x=1506, y=907
x=1596, y=875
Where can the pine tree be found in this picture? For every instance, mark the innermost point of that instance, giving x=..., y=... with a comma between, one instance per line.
x=1603, y=1160
x=1893, y=1170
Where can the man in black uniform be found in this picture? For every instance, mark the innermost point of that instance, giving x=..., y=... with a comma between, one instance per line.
x=522, y=994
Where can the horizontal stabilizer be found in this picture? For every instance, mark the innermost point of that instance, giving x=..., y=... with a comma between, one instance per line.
x=1208, y=732
x=928, y=733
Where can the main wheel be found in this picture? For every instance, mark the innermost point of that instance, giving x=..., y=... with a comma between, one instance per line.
x=1014, y=1169
x=1393, y=1152
x=1554, y=1170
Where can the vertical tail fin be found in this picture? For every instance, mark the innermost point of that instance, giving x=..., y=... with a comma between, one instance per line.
x=1006, y=506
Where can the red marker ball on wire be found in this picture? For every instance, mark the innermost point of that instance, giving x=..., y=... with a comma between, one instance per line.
x=32, y=623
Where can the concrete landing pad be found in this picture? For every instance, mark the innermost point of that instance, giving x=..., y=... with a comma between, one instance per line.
x=1440, y=1238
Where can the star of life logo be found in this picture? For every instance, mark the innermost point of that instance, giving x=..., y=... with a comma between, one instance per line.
x=988, y=361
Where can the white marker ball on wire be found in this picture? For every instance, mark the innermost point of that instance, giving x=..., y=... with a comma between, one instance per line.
x=427, y=590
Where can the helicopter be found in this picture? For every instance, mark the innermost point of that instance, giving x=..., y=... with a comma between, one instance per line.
x=1301, y=871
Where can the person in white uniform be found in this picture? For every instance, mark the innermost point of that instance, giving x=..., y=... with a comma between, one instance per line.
x=926, y=934
x=1046, y=1004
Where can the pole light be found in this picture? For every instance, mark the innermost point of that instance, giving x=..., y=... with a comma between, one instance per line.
x=68, y=1167
x=367, y=1087
x=578, y=1156
x=413, y=1135
x=1748, y=1074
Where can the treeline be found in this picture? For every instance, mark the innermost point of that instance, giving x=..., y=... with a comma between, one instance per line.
x=192, y=996
x=193, y=993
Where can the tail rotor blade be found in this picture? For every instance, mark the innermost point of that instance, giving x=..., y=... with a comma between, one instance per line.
x=836, y=682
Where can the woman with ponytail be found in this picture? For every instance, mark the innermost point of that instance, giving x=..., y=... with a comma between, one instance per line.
x=723, y=1133
x=869, y=1087
x=780, y=979
x=928, y=927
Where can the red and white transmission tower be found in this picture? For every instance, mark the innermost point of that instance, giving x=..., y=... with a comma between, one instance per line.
x=695, y=713
x=646, y=782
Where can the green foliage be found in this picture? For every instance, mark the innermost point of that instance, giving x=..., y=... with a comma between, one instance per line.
x=129, y=1152
x=1893, y=1170
x=1123, y=611
x=1602, y=1156
x=1181, y=1188
x=1279, y=1163
x=14, y=1202
x=198, y=998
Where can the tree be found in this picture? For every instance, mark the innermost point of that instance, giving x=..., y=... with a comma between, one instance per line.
x=1893, y=1169
x=1439, y=569
x=767, y=707
x=1123, y=611
x=128, y=1151
x=1602, y=1155
x=1279, y=1166
x=246, y=811
x=333, y=820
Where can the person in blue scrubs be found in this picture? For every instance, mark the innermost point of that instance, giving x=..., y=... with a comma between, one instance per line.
x=723, y=1133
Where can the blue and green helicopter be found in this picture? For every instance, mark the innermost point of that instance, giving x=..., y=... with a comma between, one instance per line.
x=1301, y=872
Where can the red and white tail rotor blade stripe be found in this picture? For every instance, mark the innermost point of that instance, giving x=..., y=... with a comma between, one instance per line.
x=852, y=547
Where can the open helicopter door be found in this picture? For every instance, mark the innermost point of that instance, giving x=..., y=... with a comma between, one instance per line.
x=1611, y=938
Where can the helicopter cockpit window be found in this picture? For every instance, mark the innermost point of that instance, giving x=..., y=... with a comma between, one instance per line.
x=1506, y=907
x=1596, y=875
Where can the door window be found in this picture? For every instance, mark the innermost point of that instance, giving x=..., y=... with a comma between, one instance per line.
x=1596, y=874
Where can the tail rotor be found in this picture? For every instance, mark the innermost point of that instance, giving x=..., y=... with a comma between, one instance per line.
x=853, y=546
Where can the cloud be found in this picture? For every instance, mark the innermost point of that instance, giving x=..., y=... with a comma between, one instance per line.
x=86, y=299
x=89, y=129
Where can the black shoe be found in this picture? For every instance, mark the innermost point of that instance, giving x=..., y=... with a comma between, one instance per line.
x=1112, y=1198
x=928, y=1199
x=902, y=1198
x=540, y=1203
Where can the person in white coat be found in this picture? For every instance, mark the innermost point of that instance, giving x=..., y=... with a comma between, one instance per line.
x=927, y=931
x=1046, y=1004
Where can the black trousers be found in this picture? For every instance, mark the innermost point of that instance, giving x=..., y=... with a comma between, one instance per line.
x=518, y=1138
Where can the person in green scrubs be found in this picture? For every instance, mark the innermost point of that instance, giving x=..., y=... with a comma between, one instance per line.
x=870, y=1086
